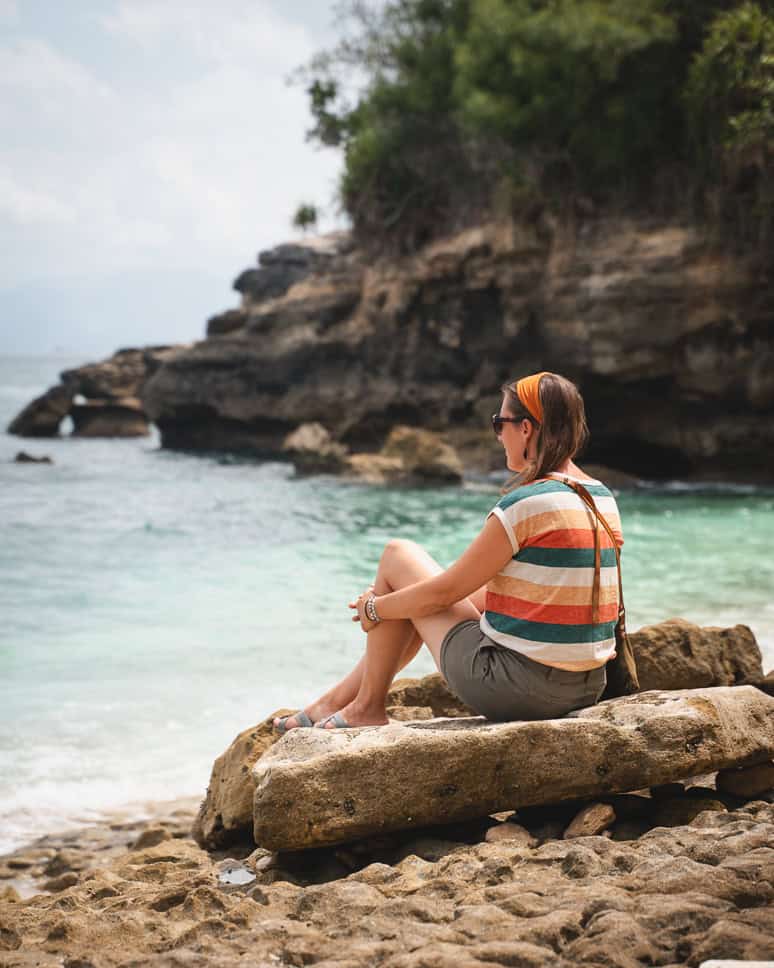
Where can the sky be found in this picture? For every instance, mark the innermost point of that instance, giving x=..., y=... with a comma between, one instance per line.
x=149, y=150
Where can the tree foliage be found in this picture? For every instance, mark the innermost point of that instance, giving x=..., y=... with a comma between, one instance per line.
x=730, y=101
x=305, y=217
x=458, y=105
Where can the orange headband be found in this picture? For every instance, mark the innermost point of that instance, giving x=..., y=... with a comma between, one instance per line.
x=527, y=390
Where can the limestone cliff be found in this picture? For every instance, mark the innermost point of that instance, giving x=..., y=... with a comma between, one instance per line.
x=669, y=336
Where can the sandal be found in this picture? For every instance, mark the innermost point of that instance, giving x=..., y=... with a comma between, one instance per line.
x=338, y=722
x=301, y=718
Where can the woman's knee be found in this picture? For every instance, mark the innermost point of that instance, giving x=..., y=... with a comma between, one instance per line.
x=399, y=549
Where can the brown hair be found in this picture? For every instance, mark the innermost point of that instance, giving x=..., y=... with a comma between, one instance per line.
x=563, y=433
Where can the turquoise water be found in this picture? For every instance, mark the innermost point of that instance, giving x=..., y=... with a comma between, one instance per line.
x=155, y=604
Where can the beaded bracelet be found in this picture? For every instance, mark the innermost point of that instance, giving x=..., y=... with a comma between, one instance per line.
x=370, y=609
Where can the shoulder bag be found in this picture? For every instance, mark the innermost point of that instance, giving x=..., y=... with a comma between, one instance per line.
x=622, y=679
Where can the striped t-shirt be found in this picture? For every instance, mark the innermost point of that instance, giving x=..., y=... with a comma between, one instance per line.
x=540, y=603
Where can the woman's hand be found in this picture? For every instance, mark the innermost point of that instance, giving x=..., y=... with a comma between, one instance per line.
x=359, y=606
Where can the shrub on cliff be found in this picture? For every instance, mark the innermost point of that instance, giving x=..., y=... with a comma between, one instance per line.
x=464, y=103
x=730, y=100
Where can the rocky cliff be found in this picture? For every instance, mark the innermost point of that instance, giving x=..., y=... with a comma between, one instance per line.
x=670, y=339
x=669, y=336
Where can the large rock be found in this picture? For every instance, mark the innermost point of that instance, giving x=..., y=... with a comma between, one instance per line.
x=226, y=813
x=313, y=451
x=324, y=787
x=409, y=456
x=424, y=455
x=674, y=654
x=42, y=416
x=102, y=398
x=680, y=655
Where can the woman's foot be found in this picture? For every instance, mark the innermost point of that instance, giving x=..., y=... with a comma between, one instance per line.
x=304, y=718
x=352, y=715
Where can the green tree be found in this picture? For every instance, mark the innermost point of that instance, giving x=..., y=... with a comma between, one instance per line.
x=460, y=108
x=305, y=217
x=730, y=102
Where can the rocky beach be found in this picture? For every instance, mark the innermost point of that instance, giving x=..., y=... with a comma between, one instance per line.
x=611, y=854
x=640, y=832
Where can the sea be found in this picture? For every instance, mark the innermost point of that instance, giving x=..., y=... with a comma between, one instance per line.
x=154, y=604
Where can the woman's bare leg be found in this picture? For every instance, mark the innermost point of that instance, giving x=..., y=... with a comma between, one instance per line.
x=402, y=563
x=345, y=691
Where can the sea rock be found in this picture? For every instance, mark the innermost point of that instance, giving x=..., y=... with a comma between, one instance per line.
x=748, y=781
x=424, y=455
x=376, y=468
x=123, y=417
x=23, y=457
x=41, y=417
x=110, y=388
x=591, y=821
x=313, y=450
x=680, y=655
x=324, y=787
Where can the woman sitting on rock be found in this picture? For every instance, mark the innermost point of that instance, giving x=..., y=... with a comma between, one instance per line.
x=511, y=624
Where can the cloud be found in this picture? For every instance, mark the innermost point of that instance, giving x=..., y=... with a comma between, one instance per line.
x=169, y=140
x=29, y=207
x=31, y=65
x=229, y=31
x=9, y=12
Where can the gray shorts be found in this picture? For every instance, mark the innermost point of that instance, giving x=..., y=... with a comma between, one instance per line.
x=503, y=684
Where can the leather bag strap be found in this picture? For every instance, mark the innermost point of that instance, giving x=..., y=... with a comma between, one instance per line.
x=588, y=500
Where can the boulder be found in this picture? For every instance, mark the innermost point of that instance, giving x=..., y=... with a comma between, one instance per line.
x=226, y=811
x=24, y=458
x=512, y=832
x=314, y=451
x=680, y=655
x=376, y=468
x=226, y=814
x=321, y=787
x=591, y=821
x=424, y=454
x=429, y=691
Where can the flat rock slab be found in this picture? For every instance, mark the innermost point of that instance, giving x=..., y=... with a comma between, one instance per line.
x=318, y=787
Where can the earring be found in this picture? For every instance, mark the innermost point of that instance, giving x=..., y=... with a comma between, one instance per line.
x=525, y=454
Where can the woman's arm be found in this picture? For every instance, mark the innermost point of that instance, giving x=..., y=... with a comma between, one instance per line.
x=490, y=551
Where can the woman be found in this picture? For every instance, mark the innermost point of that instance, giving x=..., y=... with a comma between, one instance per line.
x=509, y=624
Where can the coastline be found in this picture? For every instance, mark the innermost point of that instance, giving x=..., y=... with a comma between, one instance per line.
x=28, y=868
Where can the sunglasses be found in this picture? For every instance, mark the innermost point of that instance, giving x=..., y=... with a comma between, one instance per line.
x=498, y=421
